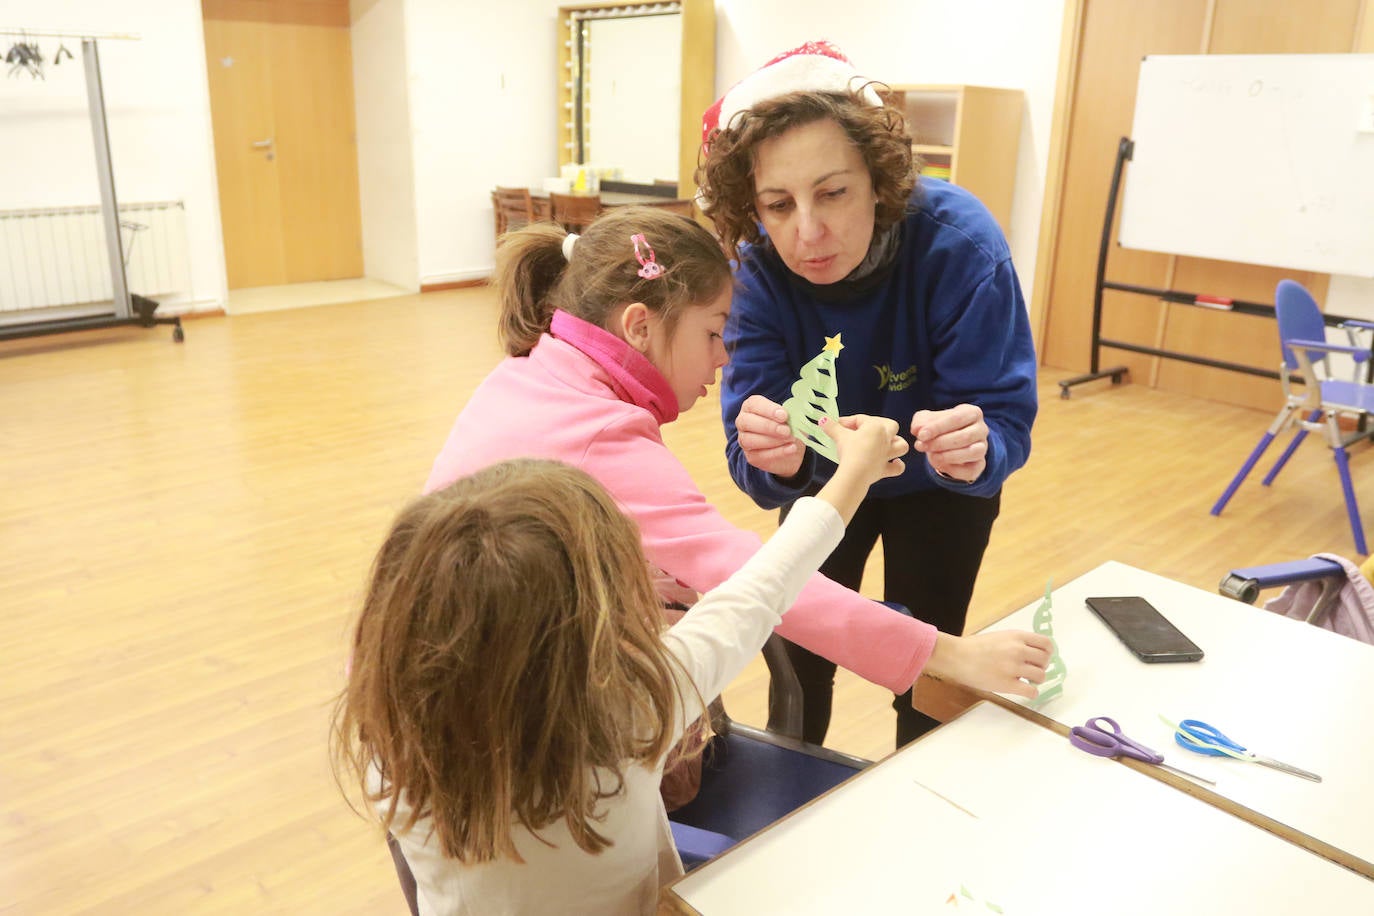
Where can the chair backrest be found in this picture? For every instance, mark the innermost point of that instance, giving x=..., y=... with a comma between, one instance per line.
x=512, y=207
x=1299, y=318
x=409, y=889
x=574, y=212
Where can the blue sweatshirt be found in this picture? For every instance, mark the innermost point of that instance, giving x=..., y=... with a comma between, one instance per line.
x=944, y=325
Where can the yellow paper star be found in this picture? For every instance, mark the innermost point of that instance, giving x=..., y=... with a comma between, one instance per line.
x=832, y=345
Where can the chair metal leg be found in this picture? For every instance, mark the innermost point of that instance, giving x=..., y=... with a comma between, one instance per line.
x=1244, y=472
x=1292, y=447
x=1352, y=509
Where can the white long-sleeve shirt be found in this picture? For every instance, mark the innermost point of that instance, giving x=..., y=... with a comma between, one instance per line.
x=713, y=642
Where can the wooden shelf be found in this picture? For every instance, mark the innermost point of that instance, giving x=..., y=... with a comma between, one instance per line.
x=974, y=130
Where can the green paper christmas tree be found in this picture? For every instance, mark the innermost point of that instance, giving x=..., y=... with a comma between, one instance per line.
x=813, y=397
x=1056, y=671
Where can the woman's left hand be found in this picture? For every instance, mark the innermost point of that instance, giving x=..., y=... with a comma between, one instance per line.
x=955, y=441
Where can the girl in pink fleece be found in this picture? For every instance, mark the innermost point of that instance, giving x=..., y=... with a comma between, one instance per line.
x=613, y=334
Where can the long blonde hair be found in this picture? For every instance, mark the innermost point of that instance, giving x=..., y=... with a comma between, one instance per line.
x=533, y=277
x=507, y=659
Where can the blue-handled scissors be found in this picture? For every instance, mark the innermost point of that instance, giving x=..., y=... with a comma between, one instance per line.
x=1201, y=738
x=1103, y=737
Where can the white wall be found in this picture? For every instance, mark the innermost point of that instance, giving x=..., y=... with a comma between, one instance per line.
x=1352, y=297
x=1005, y=43
x=158, y=105
x=482, y=104
x=386, y=157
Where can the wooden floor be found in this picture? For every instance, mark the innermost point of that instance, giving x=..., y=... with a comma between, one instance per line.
x=185, y=529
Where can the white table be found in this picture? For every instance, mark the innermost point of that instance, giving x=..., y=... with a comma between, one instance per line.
x=1011, y=811
x=1280, y=687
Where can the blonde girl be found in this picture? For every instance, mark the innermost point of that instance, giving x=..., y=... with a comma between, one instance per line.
x=513, y=694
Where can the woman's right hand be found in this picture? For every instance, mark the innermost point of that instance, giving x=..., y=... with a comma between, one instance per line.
x=1003, y=661
x=767, y=441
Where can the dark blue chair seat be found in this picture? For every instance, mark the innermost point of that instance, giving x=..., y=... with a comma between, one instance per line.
x=695, y=846
x=751, y=778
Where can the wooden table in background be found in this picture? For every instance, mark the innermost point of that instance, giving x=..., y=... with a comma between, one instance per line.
x=610, y=199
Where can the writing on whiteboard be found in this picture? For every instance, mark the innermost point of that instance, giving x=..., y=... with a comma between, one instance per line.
x=1254, y=158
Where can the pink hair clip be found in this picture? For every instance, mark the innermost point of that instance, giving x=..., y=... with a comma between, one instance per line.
x=649, y=268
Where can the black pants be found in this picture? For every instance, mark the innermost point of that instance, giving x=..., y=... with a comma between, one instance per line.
x=933, y=544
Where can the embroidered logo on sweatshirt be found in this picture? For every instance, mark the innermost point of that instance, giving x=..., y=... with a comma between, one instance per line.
x=895, y=381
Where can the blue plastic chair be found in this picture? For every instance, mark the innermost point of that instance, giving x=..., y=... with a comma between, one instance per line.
x=1321, y=401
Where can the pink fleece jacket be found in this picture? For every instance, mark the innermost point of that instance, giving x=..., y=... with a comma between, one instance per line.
x=586, y=398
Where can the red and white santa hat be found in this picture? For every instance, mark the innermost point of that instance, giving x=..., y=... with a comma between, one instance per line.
x=817, y=66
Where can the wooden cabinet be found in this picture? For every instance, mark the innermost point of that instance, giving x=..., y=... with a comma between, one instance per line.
x=968, y=134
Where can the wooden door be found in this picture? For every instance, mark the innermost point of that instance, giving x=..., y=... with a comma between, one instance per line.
x=1114, y=35
x=281, y=99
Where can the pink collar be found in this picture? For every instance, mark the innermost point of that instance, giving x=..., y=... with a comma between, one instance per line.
x=635, y=380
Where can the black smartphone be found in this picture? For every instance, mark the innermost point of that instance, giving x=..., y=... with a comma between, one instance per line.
x=1144, y=630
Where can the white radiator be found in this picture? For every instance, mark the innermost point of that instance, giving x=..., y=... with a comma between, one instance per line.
x=56, y=256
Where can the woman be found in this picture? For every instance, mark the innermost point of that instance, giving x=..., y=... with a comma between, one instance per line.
x=810, y=178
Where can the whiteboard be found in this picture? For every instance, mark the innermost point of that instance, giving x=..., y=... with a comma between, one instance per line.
x=1260, y=158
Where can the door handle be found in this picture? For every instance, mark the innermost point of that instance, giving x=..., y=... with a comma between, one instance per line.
x=263, y=144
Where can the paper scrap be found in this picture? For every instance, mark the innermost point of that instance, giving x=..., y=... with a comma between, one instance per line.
x=966, y=898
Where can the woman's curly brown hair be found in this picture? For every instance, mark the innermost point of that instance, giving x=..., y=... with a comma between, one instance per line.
x=725, y=169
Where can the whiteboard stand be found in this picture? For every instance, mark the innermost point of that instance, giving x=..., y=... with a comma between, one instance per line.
x=129, y=308
x=1124, y=151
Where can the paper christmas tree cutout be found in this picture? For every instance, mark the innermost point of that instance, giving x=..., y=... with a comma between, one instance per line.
x=1055, y=671
x=813, y=397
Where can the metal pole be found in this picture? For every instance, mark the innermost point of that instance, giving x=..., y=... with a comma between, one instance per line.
x=1123, y=152
x=109, y=206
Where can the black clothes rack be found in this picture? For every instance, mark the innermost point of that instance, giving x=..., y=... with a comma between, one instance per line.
x=1116, y=373
x=128, y=308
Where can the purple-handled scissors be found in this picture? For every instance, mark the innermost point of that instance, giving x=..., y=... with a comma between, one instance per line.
x=1103, y=737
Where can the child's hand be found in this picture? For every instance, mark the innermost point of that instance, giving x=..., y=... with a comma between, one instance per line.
x=870, y=450
x=868, y=446
x=1004, y=661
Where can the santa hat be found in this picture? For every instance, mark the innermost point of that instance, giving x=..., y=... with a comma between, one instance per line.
x=817, y=66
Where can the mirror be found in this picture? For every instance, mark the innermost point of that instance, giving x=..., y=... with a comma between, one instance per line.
x=634, y=88
x=628, y=107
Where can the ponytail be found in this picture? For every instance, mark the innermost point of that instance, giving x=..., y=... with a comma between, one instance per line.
x=602, y=272
x=529, y=263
